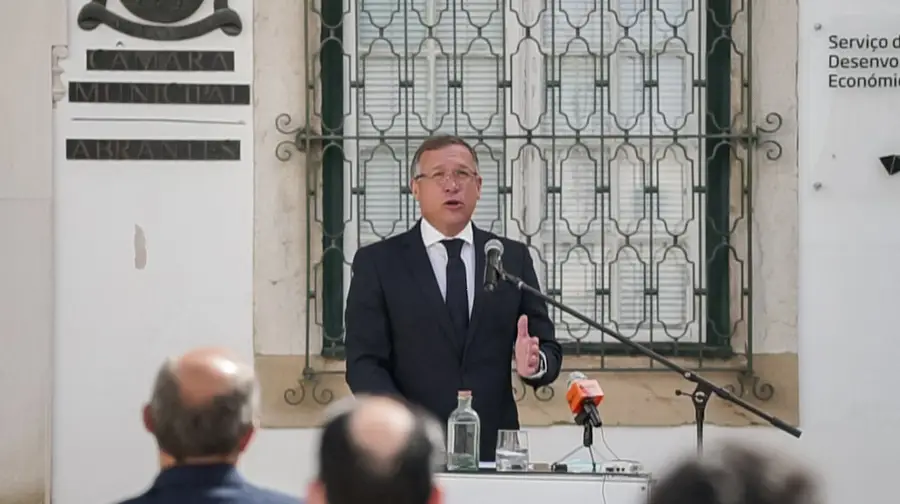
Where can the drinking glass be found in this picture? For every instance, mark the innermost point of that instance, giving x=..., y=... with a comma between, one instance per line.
x=512, y=451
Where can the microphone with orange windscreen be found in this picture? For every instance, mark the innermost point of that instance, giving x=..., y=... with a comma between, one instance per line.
x=583, y=396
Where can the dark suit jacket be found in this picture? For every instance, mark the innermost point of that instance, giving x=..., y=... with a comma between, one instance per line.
x=400, y=340
x=218, y=484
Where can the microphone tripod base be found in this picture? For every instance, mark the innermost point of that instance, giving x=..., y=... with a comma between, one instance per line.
x=587, y=444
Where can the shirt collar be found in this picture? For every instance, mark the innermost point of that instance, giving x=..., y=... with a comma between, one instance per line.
x=430, y=235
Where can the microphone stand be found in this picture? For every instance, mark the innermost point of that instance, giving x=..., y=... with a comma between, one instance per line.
x=587, y=443
x=703, y=390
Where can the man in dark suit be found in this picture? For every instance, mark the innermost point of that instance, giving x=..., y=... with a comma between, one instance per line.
x=202, y=416
x=378, y=451
x=420, y=324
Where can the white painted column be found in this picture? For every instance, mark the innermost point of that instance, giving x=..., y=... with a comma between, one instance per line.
x=280, y=231
x=30, y=31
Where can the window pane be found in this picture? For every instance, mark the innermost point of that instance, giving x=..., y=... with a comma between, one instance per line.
x=477, y=105
x=387, y=108
x=383, y=206
x=579, y=99
x=653, y=289
x=654, y=196
x=577, y=275
x=653, y=24
x=388, y=27
x=489, y=213
x=577, y=27
x=641, y=103
x=654, y=265
x=576, y=187
x=460, y=22
x=594, y=68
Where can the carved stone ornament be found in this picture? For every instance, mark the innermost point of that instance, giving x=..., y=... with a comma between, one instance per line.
x=163, y=13
x=58, y=88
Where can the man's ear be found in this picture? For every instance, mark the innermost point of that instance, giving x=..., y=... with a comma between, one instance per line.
x=414, y=188
x=148, y=419
x=245, y=440
x=315, y=493
x=437, y=495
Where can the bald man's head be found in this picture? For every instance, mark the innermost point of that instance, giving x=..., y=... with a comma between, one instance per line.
x=380, y=428
x=379, y=451
x=202, y=405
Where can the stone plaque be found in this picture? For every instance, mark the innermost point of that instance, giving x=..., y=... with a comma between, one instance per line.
x=99, y=149
x=160, y=61
x=159, y=93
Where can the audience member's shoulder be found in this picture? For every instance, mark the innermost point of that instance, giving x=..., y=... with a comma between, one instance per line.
x=268, y=496
x=140, y=499
x=258, y=494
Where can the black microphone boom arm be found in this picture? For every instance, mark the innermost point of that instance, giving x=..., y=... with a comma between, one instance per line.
x=704, y=388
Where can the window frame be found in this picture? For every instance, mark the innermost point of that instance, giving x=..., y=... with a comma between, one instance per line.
x=713, y=294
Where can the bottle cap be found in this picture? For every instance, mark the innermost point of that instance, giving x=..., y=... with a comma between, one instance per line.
x=464, y=393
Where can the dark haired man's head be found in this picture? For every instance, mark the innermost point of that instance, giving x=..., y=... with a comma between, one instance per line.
x=735, y=475
x=378, y=451
x=446, y=182
x=202, y=408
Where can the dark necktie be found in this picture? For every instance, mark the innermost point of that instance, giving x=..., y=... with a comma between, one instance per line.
x=457, y=296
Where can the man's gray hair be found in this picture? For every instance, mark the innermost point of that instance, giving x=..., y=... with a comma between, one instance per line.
x=436, y=143
x=212, y=428
x=736, y=474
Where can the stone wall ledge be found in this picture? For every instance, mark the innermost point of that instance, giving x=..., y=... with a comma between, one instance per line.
x=634, y=397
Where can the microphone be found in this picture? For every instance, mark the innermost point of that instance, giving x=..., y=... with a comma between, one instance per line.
x=493, y=249
x=584, y=395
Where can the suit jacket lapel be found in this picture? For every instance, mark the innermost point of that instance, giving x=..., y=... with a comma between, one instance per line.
x=480, y=238
x=423, y=273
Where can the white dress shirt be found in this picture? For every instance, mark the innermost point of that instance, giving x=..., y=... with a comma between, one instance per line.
x=437, y=254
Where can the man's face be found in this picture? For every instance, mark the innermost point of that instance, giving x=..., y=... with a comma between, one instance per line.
x=447, y=187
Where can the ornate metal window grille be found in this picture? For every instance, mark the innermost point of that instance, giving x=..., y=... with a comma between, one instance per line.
x=612, y=135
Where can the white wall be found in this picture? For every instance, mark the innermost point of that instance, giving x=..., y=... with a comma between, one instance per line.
x=117, y=319
x=849, y=274
x=114, y=323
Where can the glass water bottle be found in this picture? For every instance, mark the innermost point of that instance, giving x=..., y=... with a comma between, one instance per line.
x=463, y=435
